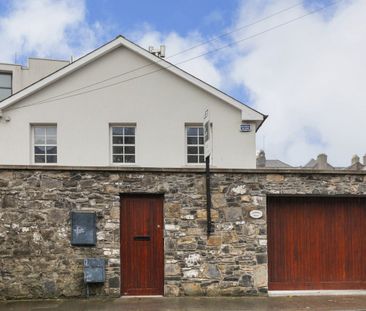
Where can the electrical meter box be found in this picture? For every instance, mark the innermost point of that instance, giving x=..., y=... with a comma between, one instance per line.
x=83, y=231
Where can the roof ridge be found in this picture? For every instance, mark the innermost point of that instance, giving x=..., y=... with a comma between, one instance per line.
x=122, y=41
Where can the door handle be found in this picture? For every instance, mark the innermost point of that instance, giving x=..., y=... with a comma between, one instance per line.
x=141, y=238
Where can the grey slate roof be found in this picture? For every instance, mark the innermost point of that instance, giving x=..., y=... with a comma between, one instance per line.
x=311, y=163
x=356, y=167
x=277, y=164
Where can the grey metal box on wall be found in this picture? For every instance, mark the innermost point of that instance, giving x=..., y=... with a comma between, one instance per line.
x=94, y=270
x=83, y=228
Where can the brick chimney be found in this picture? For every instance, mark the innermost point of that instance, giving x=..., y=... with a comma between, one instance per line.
x=261, y=159
x=364, y=160
x=355, y=159
x=322, y=161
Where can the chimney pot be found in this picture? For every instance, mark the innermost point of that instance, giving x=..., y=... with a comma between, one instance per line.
x=261, y=159
x=355, y=159
x=322, y=161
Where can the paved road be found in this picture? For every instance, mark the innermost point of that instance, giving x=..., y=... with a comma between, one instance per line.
x=194, y=304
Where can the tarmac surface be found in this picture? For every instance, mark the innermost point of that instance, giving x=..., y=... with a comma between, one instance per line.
x=192, y=303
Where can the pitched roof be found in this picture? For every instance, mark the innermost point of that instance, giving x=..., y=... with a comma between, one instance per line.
x=311, y=163
x=314, y=164
x=248, y=113
x=356, y=167
x=277, y=164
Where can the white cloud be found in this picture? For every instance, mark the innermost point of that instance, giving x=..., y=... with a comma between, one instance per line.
x=46, y=28
x=215, y=17
x=202, y=67
x=309, y=76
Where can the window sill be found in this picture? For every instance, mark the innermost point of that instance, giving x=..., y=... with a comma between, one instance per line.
x=201, y=165
x=124, y=164
x=44, y=164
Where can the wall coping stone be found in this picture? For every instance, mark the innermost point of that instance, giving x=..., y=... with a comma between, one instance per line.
x=181, y=170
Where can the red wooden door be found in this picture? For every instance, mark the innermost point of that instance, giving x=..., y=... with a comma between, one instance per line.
x=316, y=243
x=142, y=247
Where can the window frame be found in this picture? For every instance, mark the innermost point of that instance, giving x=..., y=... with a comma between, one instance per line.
x=33, y=143
x=111, y=126
x=190, y=125
x=8, y=73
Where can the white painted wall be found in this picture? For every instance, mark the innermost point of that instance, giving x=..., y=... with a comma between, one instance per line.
x=37, y=69
x=160, y=104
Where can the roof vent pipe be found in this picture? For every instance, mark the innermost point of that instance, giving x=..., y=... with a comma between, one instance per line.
x=159, y=53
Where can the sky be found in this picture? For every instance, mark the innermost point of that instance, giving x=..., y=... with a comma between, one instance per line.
x=302, y=65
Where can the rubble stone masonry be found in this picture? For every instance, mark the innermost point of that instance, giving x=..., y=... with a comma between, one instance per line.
x=38, y=261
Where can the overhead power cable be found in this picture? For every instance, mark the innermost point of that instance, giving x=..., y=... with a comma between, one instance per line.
x=169, y=65
x=176, y=54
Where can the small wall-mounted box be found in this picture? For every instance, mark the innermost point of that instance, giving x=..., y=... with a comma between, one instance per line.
x=94, y=270
x=83, y=228
x=245, y=127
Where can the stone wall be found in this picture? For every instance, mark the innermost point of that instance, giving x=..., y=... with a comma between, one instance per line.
x=37, y=260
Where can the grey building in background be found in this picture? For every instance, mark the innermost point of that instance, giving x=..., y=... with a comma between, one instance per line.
x=320, y=163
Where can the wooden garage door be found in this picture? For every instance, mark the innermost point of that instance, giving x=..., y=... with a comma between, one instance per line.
x=316, y=243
